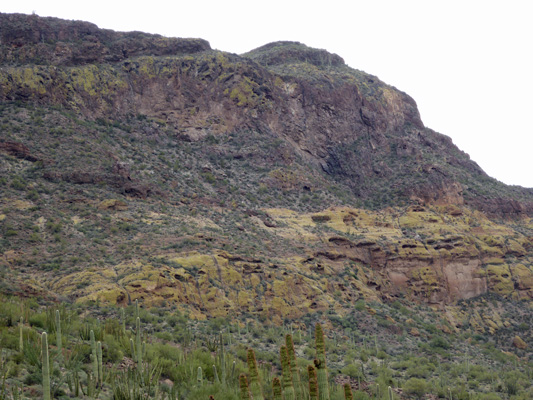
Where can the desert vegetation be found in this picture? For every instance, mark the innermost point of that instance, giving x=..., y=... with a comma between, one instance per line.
x=96, y=351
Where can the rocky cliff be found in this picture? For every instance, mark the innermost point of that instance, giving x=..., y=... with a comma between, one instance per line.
x=277, y=182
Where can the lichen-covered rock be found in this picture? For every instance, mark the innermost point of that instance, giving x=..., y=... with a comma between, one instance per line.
x=519, y=343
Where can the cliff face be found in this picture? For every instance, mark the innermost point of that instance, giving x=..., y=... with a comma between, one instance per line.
x=223, y=146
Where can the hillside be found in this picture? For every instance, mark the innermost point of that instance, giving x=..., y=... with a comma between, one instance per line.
x=274, y=184
x=239, y=198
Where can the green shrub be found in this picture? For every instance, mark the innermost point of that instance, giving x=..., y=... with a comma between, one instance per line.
x=416, y=387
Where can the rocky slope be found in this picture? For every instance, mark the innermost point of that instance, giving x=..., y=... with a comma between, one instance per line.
x=278, y=183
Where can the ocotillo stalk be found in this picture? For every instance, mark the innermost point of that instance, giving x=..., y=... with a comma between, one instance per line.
x=288, y=388
x=21, y=338
x=244, y=389
x=255, y=383
x=320, y=364
x=94, y=357
x=58, y=331
x=313, y=383
x=294, y=368
x=100, y=365
x=276, y=389
x=46, y=367
x=136, y=308
x=199, y=376
x=348, y=395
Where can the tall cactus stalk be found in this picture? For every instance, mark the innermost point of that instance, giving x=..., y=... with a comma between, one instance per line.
x=320, y=364
x=288, y=388
x=391, y=397
x=123, y=321
x=199, y=376
x=46, y=367
x=138, y=343
x=222, y=360
x=21, y=337
x=313, y=383
x=215, y=374
x=294, y=368
x=244, y=389
x=132, y=349
x=348, y=395
x=94, y=358
x=58, y=332
x=255, y=382
x=276, y=389
x=100, y=364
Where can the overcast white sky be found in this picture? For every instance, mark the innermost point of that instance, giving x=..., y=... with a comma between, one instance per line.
x=468, y=63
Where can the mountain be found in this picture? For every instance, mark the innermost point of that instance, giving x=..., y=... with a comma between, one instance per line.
x=277, y=183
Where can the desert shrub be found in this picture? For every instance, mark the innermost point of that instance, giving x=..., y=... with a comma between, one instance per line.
x=416, y=387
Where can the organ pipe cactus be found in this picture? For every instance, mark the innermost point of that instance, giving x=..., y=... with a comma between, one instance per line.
x=255, y=382
x=45, y=367
x=320, y=364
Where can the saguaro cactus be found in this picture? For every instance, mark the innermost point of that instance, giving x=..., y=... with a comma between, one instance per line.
x=94, y=357
x=348, y=395
x=21, y=338
x=222, y=360
x=123, y=321
x=288, y=388
x=138, y=344
x=255, y=382
x=244, y=389
x=215, y=374
x=46, y=367
x=313, y=383
x=294, y=368
x=59, y=342
x=276, y=389
x=100, y=364
x=199, y=376
x=320, y=364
